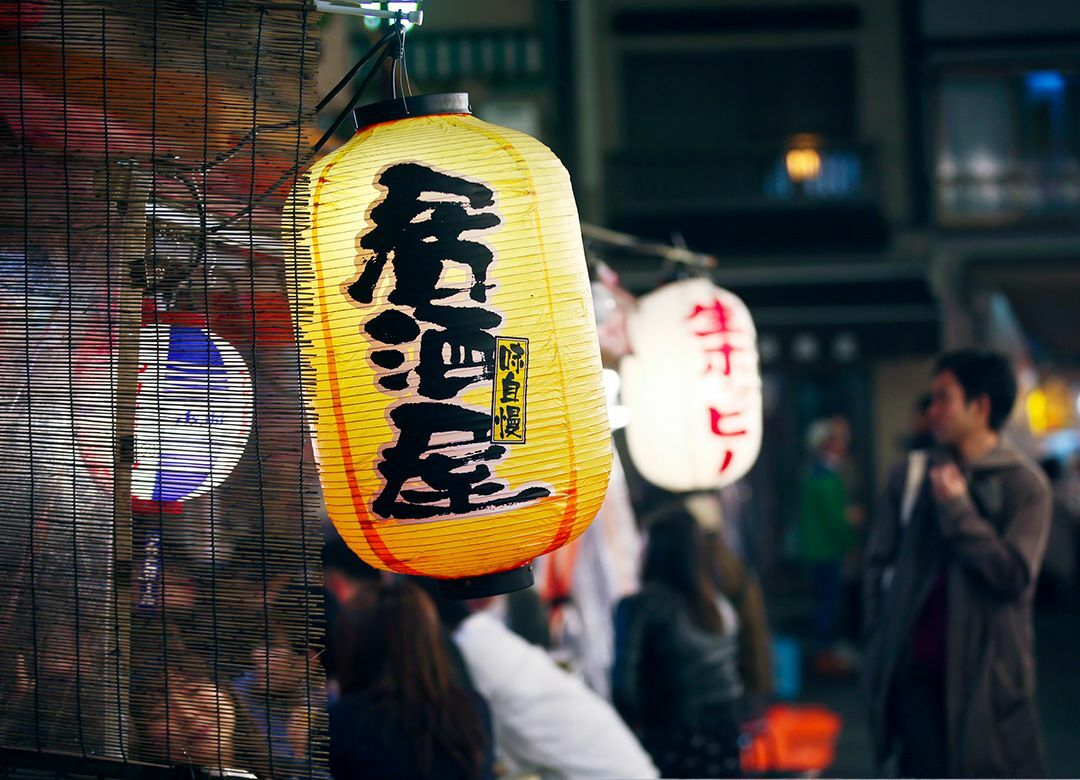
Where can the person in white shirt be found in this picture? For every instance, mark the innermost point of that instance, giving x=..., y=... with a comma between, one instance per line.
x=587, y=578
x=546, y=721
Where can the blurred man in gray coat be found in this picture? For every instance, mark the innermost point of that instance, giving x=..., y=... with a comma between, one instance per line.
x=952, y=560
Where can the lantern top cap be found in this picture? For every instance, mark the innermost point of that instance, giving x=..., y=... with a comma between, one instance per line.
x=411, y=107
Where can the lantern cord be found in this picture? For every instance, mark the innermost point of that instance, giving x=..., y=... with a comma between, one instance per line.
x=383, y=47
x=405, y=66
x=395, y=78
x=400, y=75
x=354, y=70
x=225, y=156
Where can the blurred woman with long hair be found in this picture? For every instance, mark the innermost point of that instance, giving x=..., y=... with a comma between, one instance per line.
x=676, y=676
x=403, y=712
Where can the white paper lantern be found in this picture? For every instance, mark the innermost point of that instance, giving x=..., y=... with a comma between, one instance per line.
x=693, y=387
x=193, y=411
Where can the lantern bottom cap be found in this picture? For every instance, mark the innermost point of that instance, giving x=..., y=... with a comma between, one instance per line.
x=487, y=585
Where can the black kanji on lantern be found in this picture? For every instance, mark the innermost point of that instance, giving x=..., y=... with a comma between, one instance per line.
x=459, y=353
x=439, y=464
x=418, y=227
x=442, y=462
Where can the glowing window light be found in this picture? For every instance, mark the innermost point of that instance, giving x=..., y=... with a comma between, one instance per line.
x=803, y=164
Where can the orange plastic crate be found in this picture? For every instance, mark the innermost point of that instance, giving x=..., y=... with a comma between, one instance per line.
x=794, y=739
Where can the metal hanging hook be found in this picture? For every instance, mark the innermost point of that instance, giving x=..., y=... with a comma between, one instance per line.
x=390, y=46
x=355, y=8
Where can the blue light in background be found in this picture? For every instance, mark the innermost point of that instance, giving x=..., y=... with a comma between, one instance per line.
x=1047, y=83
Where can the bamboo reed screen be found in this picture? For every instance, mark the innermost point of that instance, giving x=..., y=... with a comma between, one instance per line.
x=159, y=511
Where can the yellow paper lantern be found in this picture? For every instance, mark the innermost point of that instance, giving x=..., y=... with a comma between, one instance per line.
x=444, y=311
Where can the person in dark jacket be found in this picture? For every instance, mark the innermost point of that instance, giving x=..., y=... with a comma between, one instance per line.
x=675, y=678
x=402, y=712
x=741, y=587
x=737, y=581
x=952, y=561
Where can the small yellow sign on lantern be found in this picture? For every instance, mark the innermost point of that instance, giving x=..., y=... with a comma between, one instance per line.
x=445, y=318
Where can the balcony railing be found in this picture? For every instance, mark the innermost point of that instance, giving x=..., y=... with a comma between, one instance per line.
x=640, y=182
x=1014, y=194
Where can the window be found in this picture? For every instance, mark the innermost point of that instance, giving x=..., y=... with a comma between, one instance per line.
x=1008, y=146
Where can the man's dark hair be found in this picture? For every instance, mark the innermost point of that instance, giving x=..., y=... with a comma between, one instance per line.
x=922, y=406
x=983, y=373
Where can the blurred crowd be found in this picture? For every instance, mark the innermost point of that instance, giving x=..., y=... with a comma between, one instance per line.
x=421, y=685
x=644, y=649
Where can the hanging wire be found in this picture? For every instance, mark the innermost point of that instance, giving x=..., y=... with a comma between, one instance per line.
x=253, y=203
x=398, y=54
x=227, y=155
x=405, y=65
x=354, y=70
x=391, y=45
x=380, y=51
x=400, y=75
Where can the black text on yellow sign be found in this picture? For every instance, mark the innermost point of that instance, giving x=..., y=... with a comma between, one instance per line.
x=508, y=394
